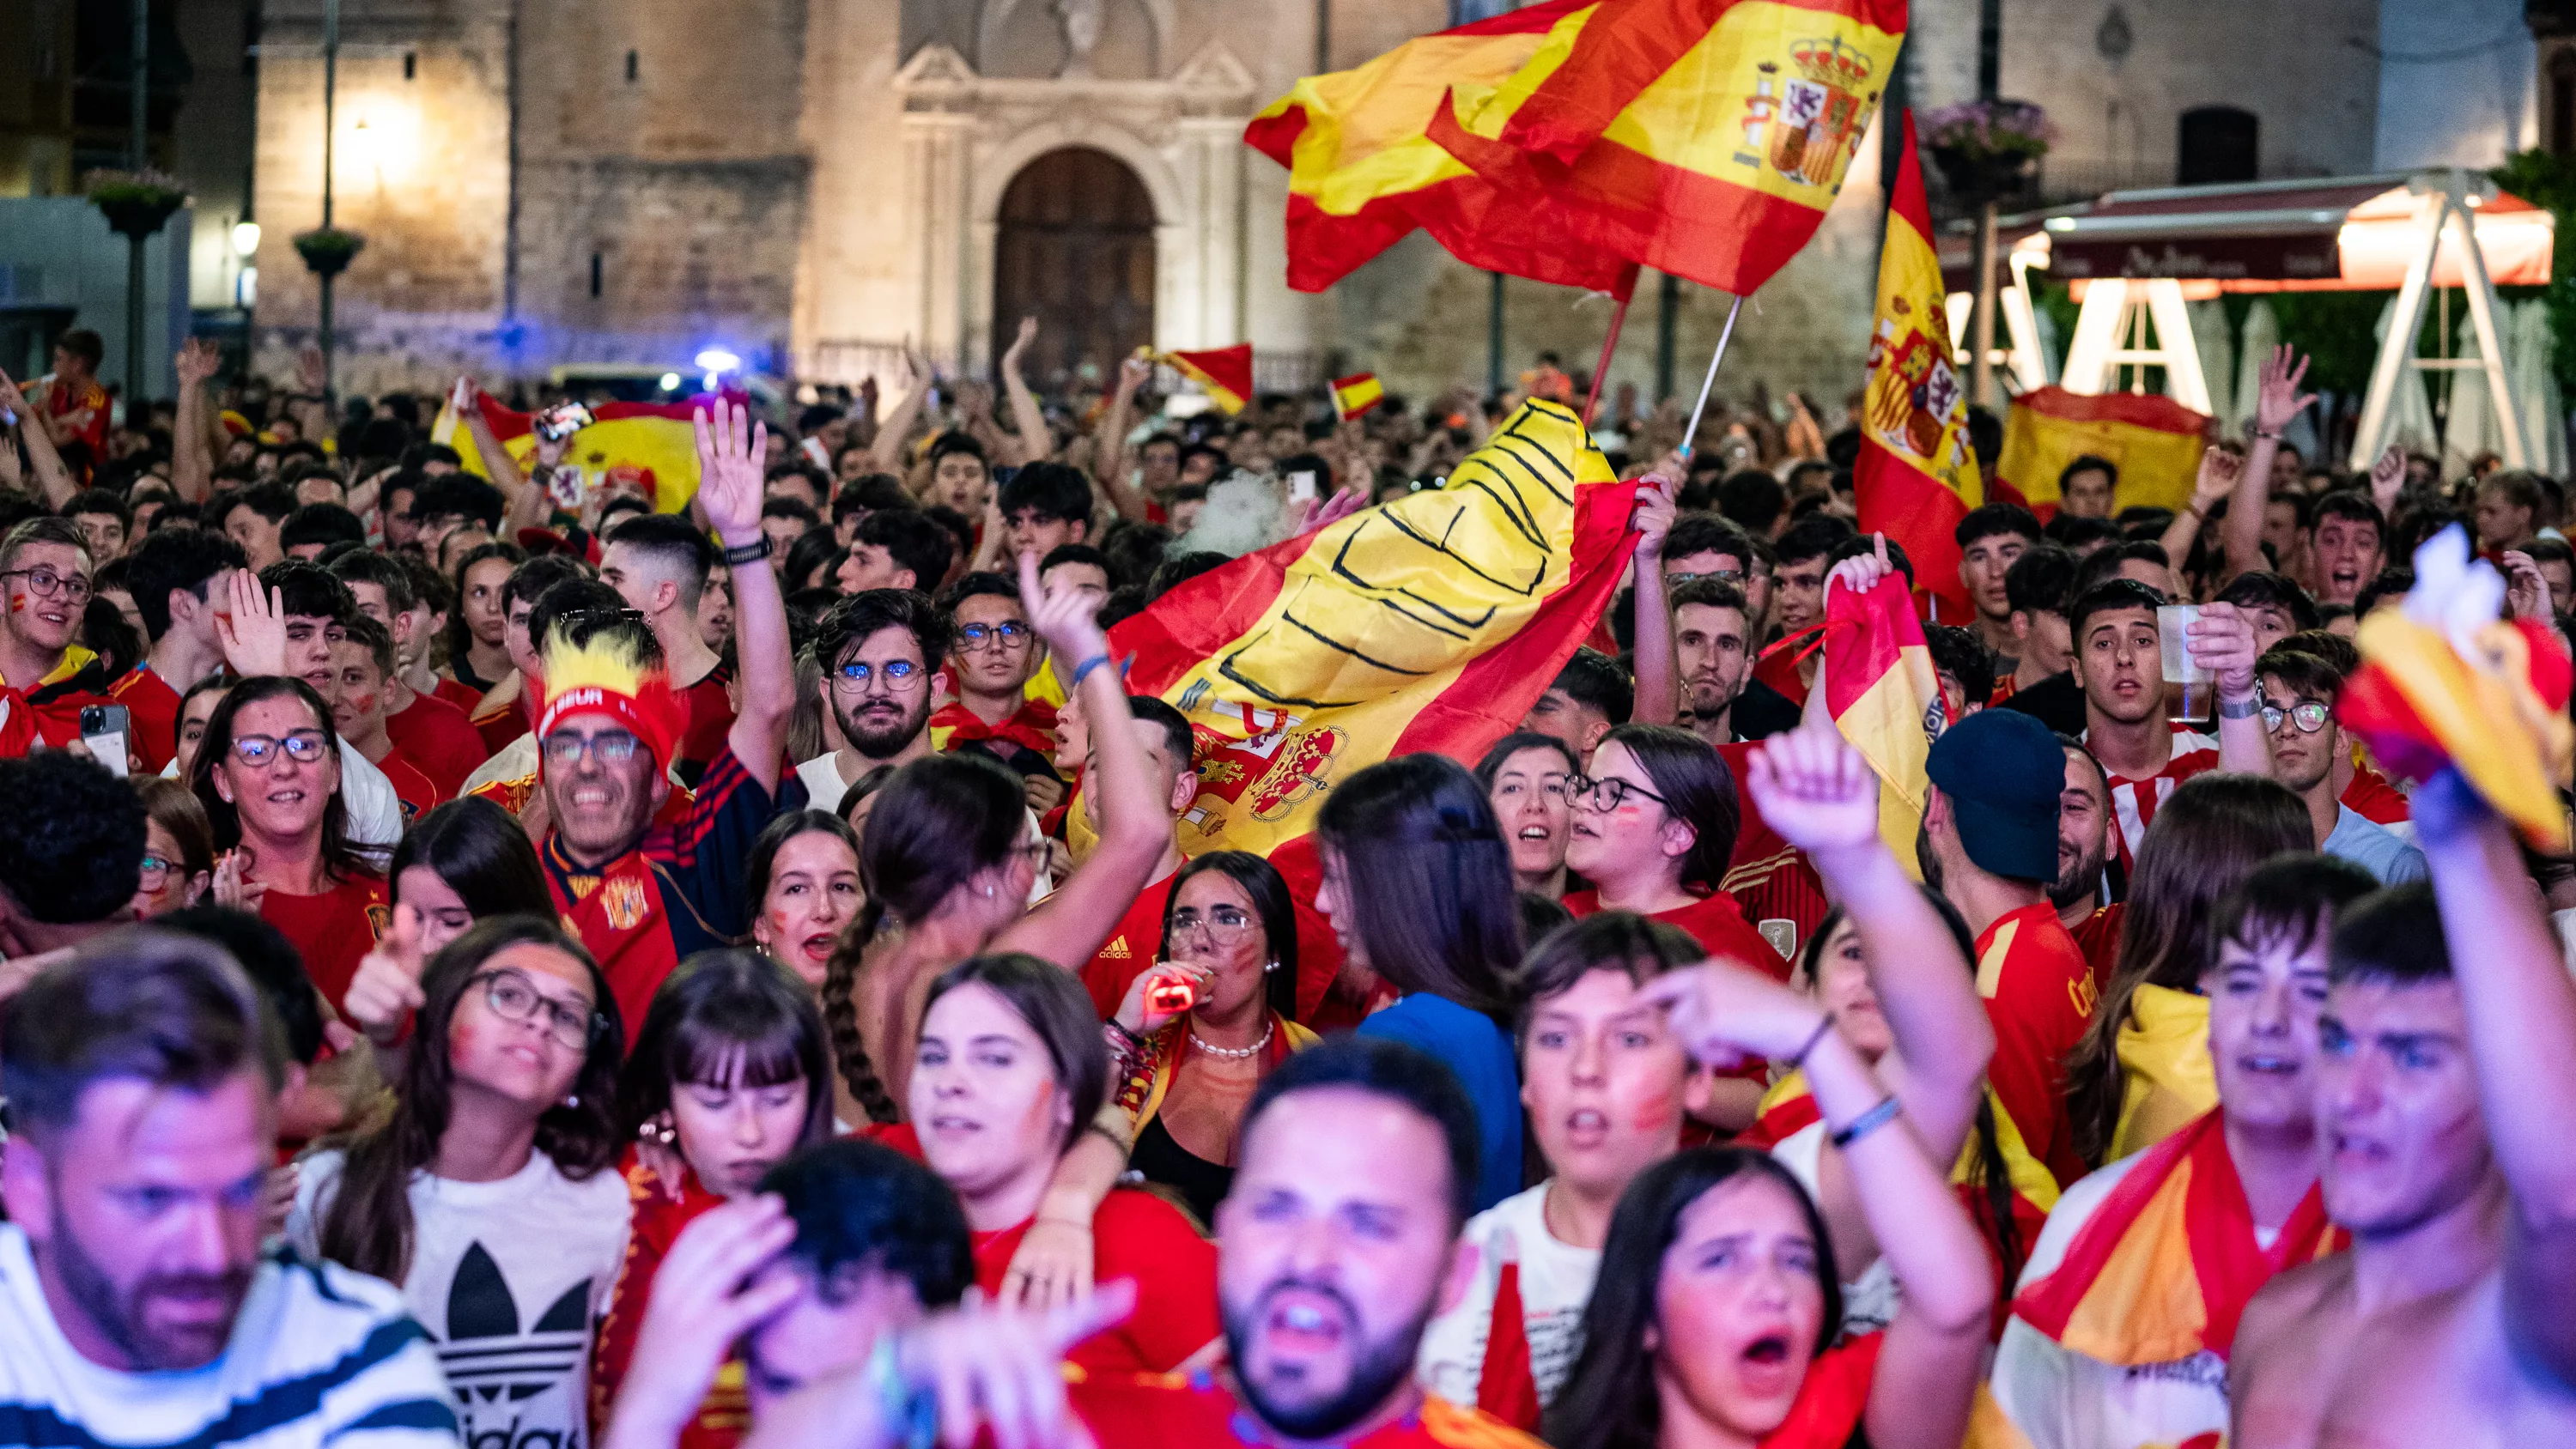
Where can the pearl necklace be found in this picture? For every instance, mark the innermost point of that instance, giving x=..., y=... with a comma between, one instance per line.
x=1235, y=1054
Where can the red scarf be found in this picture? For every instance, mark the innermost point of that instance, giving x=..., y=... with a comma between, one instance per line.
x=2118, y=1299
x=617, y=912
x=1031, y=727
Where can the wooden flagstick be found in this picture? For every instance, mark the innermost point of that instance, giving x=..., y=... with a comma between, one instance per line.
x=1710, y=381
x=1609, y=344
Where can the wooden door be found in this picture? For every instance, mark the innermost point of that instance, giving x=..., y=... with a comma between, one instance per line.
x=1075, y=250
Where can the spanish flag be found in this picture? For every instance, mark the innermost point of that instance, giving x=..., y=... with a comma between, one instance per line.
x=2164, y=1267
x=1915, y=477
x=1704, y=138
x=1363, y=170
x=2154, y=441
x=654, y=445
x=1226, y=373
x=1885, y=697
x=1356, y=394
x=1429, y=623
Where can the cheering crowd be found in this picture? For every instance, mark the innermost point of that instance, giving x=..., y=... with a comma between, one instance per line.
x=488, y=960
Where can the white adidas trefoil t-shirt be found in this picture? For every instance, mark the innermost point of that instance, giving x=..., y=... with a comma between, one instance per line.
x=509, y=1278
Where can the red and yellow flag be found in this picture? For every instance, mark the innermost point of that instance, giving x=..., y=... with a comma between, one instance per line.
x=1356, y=394
x=1226, y=373
x=1885, y=697
x=1915, y=477
x=1429, y=623
x=1704, y=138
x=654, y=445
x=1363, y=170
x=2154, y=441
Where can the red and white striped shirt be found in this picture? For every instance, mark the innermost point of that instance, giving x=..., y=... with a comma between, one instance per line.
x=2134, y=802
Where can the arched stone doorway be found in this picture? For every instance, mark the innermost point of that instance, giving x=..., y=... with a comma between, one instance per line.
x=1074, y=248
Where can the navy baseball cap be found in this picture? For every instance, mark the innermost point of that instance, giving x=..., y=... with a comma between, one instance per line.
x=2003, y=772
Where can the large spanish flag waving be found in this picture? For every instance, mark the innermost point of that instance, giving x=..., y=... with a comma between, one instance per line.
x=654, y=444
x=1885, y=697
x=1429, y=623
x=1915, y=477
x=1704, y=138
x=1363, y=171
x=2154, y=441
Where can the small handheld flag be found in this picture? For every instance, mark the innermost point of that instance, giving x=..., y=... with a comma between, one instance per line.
x=1226, y=373
x=1356, y=394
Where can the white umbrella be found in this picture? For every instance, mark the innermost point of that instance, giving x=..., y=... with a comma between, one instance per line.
x=2262, y=334
x=2472, y=426
x=2410, y=413
x=2530, y=351
x=2217, y=359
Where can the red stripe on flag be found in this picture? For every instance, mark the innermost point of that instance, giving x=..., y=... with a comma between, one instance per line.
x=1870, y=633
x=2138, y=409
x=1916, y=512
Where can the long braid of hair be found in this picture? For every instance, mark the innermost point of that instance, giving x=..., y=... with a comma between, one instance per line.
x=1996, y=1179
x=841, y=1021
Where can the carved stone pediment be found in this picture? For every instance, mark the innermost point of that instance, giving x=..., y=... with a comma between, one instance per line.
x=1214, y=72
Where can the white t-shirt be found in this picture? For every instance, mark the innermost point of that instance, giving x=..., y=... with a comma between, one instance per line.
x=319, y=1355
x=509, y=1278
x=2061, y=1399
x=1556, y=1283
x=1869, y=1301
x=823, y=783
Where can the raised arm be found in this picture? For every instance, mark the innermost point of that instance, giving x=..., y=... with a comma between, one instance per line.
x=1124, y=495
x=1658, y=697
x=887, y=451
x=2276, y=403
x=1036, y=442
x=192, y=460
x=2521, y=1006
x=2222, y=641
x=730, y=451
x=498, y=466
x=1935, y=1349
x=1135, y=825
x=51, y=474
x=1822, y=796
x=2217, y=480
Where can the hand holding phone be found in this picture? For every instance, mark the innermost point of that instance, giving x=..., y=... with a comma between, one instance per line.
x=103, y=729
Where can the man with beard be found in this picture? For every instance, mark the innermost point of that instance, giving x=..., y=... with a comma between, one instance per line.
x=644, y=892
x=2299, y=696
x=1712, y=636
x=135, y=1306
x=877, y=649
x=2084, y=858
x=1338, y=1244
x=2445, y=1079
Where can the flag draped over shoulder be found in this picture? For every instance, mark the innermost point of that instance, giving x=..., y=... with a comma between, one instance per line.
x=1885, y=697
x=1915, y=477
x=1363, y=170
x=1429, y=623
x=1705, y=138
x=2155, y=442
x=1226, y=373
x=651, y=444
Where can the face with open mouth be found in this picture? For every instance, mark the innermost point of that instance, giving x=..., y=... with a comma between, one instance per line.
x=2121, y=665
x=2399, y=1136
x=601, y=807
x=1738, y=1305
x=2347, y=555
x=46, y=621
x=813, y=893
x=1603, y=1080
x=2263, y=1005
x=1636, y=837
x=1528, y=796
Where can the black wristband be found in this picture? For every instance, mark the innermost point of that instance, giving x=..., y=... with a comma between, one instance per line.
x=747, y=553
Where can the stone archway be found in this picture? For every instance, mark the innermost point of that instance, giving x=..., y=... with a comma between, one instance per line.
x=1074, y=247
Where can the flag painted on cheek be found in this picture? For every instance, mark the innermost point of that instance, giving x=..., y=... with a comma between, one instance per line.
x=1429, y=623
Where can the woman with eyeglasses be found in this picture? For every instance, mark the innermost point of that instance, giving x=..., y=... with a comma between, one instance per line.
x=1526, y=776
x=486, y=1193
x=1185, y=1072
x=268, y=773
x=727, y=1076
x=178, y=849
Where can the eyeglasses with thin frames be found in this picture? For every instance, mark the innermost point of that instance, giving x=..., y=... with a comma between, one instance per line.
x=564, y=749
x=514, y=997
x=1007, y=635
x=2307, y=714
x=305, y=747
x=900, y=676
x=44, y=583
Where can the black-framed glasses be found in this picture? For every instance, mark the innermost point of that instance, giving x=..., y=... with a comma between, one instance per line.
x=1225, y=925
x=154, y=872
x=564, y=749
x=304, y=747
x=44, y=583
x=900, y=676
x=1607, y=794
x=514, y=997
x=1008, y=634
x=2307, y=714
x=1723, y=576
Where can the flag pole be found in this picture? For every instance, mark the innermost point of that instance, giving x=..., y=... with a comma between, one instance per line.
x=1609, y=343
x=1710, y=381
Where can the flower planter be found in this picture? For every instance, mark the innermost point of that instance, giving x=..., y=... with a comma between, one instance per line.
x=136, y=203
x=1979, y=178
x=327, y=251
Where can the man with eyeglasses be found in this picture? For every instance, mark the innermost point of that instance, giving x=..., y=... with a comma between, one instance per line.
x=644, y=888
x=45, y=570
x=992, y=651
x=2299, y=694
x=876, y=649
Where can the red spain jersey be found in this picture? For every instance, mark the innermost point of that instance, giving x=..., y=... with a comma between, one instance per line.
x=2039, y=994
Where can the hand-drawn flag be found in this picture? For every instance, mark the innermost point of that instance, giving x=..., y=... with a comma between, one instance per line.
x=653, y=445
x=1704, y=138
x=1915, y=477
x=1363, y=172
x=1885, y=697
x=1226, y=373
x=2154, y=441
x=1356, y=394
x=1429, y=623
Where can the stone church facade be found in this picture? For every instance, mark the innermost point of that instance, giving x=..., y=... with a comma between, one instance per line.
x=816, y=184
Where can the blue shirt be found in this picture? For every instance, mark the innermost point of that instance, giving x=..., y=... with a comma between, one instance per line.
x=1480, y=1053
x=2375, y=848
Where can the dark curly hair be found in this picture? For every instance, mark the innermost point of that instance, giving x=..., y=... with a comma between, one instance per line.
x=71, y=837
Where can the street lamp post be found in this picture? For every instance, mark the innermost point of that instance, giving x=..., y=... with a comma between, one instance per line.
x=330, y=88
x=138, y=157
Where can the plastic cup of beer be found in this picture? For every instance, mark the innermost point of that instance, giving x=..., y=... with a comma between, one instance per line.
x=2188, y=686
